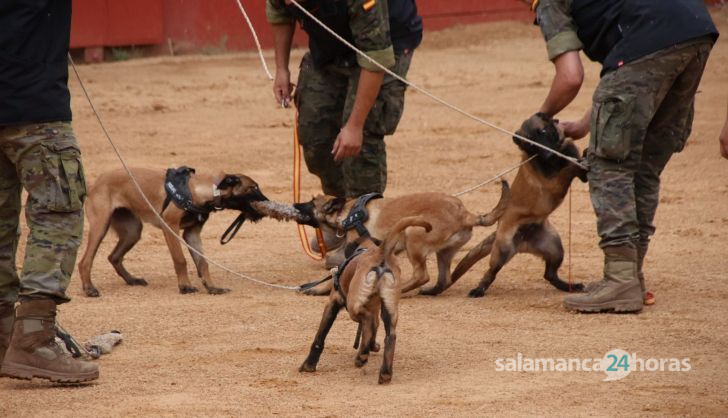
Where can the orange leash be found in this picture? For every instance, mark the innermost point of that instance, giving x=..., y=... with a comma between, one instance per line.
x=297, y=199
x=569, y=265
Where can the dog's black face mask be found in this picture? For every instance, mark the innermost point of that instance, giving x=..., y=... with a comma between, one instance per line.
x=321, y=209
x=307, y=209
x=240, y=191
x=542, y=129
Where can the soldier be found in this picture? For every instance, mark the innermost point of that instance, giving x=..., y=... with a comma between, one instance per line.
x=346, y=104
x=38, y=152
x=653, y=53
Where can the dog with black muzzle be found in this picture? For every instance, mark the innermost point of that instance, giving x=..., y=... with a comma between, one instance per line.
x=538, y=189
x=368, y=285
x=113, y=201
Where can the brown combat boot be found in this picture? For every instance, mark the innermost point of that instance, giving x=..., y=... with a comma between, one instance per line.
x=618, y=291
x=7, y=317
x=33, y=351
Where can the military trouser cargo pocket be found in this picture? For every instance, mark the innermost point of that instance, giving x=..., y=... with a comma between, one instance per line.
x=611, y=127
x=66, y=182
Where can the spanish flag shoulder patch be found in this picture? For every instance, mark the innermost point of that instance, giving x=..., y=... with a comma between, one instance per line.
x=367, y=6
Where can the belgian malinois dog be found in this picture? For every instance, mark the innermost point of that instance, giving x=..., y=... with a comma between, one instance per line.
x=538, y=189
x=368, y=285
x=114, y=202
x=452, y=226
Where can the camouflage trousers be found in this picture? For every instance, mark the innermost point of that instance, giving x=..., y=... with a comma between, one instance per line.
x=45, y=160
x=642, y=114
x=324, y=98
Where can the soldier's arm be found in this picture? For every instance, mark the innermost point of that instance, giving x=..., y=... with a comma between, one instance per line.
x=563, y=45
x=283, y=28
x=369, y=23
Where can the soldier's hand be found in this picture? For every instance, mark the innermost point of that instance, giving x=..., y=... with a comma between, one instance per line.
x=348, y=143
x=576, y=129
x=724, y=141
x=282, y=87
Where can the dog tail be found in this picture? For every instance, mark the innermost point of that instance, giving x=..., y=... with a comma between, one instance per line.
x=495, y=214
x=390, y=241
x=473, y=256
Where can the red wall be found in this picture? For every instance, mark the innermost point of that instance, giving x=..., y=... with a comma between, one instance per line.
x=195, y=24
x=116, y=23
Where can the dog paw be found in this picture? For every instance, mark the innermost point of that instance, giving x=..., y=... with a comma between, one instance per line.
x=187, y=289
x=385, y=378
x=137, y=282
x=430, y=291
x=217, y=290
x=478, y=292
x=360, y=361
x=92, y=292
x=307, y=368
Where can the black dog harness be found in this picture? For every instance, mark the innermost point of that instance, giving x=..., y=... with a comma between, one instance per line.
x=176, y=184
x=337, y=274
x=358, y=215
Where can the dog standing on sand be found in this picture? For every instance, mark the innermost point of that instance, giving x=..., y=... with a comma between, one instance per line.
x=114, y=202
x=452, y=226
x=538, y=189
x=368, y=285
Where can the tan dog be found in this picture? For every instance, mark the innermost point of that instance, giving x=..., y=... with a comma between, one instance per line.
x=114, y=202
x=538, y=189
x=452, y=226
x=370, y=283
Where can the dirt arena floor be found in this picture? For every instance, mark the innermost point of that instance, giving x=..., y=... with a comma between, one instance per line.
x=238, y=354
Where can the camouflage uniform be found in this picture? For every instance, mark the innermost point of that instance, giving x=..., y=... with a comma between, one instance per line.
x=45, y=160
x=325, y=96
x=324, y=99
x=642, y=113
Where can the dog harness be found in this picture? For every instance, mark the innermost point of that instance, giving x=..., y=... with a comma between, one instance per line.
x=337, y=274
x=358, y=215
x=176, y=184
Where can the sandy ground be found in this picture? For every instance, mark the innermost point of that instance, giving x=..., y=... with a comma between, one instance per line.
x=238, y=354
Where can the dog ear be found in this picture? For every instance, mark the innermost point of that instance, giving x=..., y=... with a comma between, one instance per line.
x=229, y=181
x=334, y=205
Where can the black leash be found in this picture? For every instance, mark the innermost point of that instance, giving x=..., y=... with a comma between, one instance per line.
x=232, y=229
x=311, y=285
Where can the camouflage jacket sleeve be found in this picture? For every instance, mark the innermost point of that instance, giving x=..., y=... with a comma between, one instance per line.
x=558, y=27
x=369, y=23
x=276, y=12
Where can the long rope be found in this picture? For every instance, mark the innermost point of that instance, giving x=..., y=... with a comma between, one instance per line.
x=149, y=204
x=430, y=95
x=255, y=38
x=496, y=177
